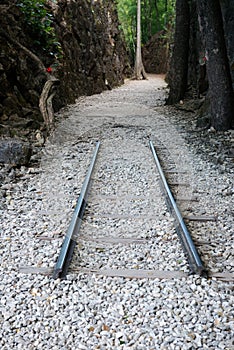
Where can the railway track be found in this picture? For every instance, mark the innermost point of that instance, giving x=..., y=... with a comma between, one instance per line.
x=134, y=213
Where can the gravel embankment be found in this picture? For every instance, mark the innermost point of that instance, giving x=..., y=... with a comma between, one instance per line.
x=126, y=225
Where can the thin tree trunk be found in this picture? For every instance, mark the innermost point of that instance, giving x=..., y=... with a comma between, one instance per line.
x=166, y=9
x=218, y=71
x=150, y=20
x=156, y=11
x=139, y=68
x=179, y=62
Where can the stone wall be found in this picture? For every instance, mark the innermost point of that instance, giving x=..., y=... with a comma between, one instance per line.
x=155, y=54
x=93, y=58
x=22, y=74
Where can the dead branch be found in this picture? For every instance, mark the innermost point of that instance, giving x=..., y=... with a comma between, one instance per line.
x=45, y=102
x=49, y=89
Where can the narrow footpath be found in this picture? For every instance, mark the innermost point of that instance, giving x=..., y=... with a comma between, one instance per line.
x=126, y=226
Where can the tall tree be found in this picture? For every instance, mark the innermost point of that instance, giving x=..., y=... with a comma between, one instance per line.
x=179, y=62
x=153, y=18
x=218, y=70
x=139, y=68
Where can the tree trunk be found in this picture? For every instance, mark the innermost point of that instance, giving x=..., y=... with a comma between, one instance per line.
x=227, y=7
x=156, y=11
x=218, y=71
x=179, y=62
x=139, y=68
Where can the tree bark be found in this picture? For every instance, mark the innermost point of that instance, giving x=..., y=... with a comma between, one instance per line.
x=218, y=71
x=179, y=62
x=139, y=68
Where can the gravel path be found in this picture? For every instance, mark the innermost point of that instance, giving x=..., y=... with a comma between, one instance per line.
x=93, y=311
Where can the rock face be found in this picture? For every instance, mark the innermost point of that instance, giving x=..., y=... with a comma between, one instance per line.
x=21, y=77
x=155, y=54
x=93, y=58
x=94, y=54
x=14, y=152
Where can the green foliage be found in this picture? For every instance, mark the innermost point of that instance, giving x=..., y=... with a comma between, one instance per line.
x=40, y=21
x=127, y=12
x=155, y=16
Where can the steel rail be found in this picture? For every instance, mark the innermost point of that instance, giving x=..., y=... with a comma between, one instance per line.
x=65, y=256
x=194, y=259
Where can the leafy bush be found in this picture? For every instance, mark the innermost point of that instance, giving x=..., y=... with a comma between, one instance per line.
x=40, y=21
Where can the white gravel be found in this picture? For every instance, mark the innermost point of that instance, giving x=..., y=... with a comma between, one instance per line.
x=126, y=225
